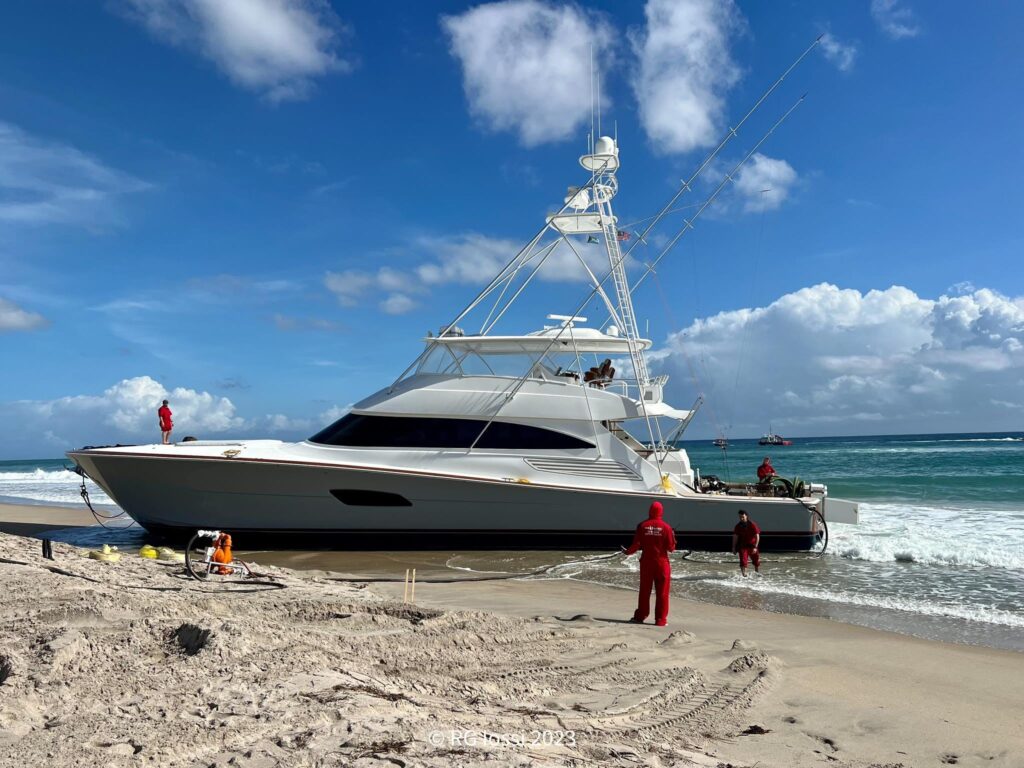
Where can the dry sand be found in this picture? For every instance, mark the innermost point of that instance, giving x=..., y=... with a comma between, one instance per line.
x=132, y=664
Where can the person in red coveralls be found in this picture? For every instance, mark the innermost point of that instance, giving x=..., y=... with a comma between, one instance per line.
x=766, y=471
x=656, y=539
x=746, y=538
x=166, y=425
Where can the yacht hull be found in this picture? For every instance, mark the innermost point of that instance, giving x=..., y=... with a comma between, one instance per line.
x=371, y=507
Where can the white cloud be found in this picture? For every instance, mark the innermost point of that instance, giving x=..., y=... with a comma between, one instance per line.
x=14, y=318
x=397, y=304
x=685, y=71
x=125, y=412
x=894, y=19
x=50, y=182
x=843, y=55
x=274, y=47
x=468, y=258
x=526, y=65
x=765, y=183
x=825, y=355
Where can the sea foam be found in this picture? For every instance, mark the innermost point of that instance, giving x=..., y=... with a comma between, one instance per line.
x=53, y=486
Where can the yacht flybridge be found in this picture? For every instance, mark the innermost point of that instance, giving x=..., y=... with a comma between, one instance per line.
x=487, y=439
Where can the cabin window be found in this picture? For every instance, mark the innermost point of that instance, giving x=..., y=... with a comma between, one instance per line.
x=362, y=431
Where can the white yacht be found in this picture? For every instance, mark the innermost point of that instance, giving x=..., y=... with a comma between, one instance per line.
x=485, y=440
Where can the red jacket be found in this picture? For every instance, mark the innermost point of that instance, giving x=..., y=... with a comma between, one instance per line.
x=654, y=536
x=765, y=471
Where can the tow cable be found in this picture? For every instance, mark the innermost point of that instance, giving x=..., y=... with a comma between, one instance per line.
x=83, y=491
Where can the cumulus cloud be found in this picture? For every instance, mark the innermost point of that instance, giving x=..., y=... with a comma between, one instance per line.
x=843, y=55
x=273, y=47
x=826, y=359
x=469, y=258
x=764, y=183
x=14, y=318
x=685, y=71
x=49, y=182
x=126, y=413
x=526, y=65
x=894, y=19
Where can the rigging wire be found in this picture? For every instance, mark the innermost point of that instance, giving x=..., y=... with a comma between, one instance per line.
x=745, y=333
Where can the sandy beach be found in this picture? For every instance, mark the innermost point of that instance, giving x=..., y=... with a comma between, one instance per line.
x=134, y=664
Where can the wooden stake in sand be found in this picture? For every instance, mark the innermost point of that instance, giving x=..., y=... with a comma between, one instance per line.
x=409, y=594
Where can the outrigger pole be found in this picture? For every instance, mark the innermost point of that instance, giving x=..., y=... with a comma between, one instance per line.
x=688, y=223
x=726, y=139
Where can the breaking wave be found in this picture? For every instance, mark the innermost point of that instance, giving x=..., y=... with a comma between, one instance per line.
x=50, y=486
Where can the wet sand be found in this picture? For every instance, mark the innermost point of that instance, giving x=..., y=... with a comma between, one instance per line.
x=128, y=664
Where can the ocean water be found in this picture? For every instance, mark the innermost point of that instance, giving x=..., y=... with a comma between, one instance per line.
x=939, y=552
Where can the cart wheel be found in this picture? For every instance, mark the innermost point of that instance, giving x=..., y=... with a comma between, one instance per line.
x=200, y=573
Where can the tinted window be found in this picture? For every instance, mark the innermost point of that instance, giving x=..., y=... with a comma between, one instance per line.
x=404, y=432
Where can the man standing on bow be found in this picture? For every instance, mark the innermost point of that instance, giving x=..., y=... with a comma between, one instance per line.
x=166, y=425
x=656, y=539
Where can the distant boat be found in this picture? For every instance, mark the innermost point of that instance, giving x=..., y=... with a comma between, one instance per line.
x=772, y=439
x=720, y=442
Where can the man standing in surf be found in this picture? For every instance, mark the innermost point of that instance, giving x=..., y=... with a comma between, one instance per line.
x=166, y=425
x=656, y=538
x=746, y=538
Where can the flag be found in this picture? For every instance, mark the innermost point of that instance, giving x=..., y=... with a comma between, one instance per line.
x=622, y=235
x=591, y=240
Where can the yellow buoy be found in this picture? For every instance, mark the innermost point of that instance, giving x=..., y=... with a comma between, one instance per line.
x=108, y=554
x=166, y=553
x=148, y=550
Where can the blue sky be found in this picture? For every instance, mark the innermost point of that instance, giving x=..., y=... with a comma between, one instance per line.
x=260, y=207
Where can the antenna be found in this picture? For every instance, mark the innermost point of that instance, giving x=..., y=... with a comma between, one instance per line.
x=598, y=101
x=591, y=146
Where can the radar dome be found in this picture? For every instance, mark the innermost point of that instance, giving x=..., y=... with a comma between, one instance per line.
x=605, y=146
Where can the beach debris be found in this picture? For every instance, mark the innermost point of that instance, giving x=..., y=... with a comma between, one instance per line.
x=108, y=554
x=755, y=730
x=742, y=645
x=148, y=551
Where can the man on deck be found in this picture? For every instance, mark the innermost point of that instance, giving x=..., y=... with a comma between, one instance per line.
x=164, y=417
x=746, y=539
x=656, y=539
x=766, y=471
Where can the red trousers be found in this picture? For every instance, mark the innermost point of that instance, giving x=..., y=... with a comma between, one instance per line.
x=749, y=553
x=656, y=572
